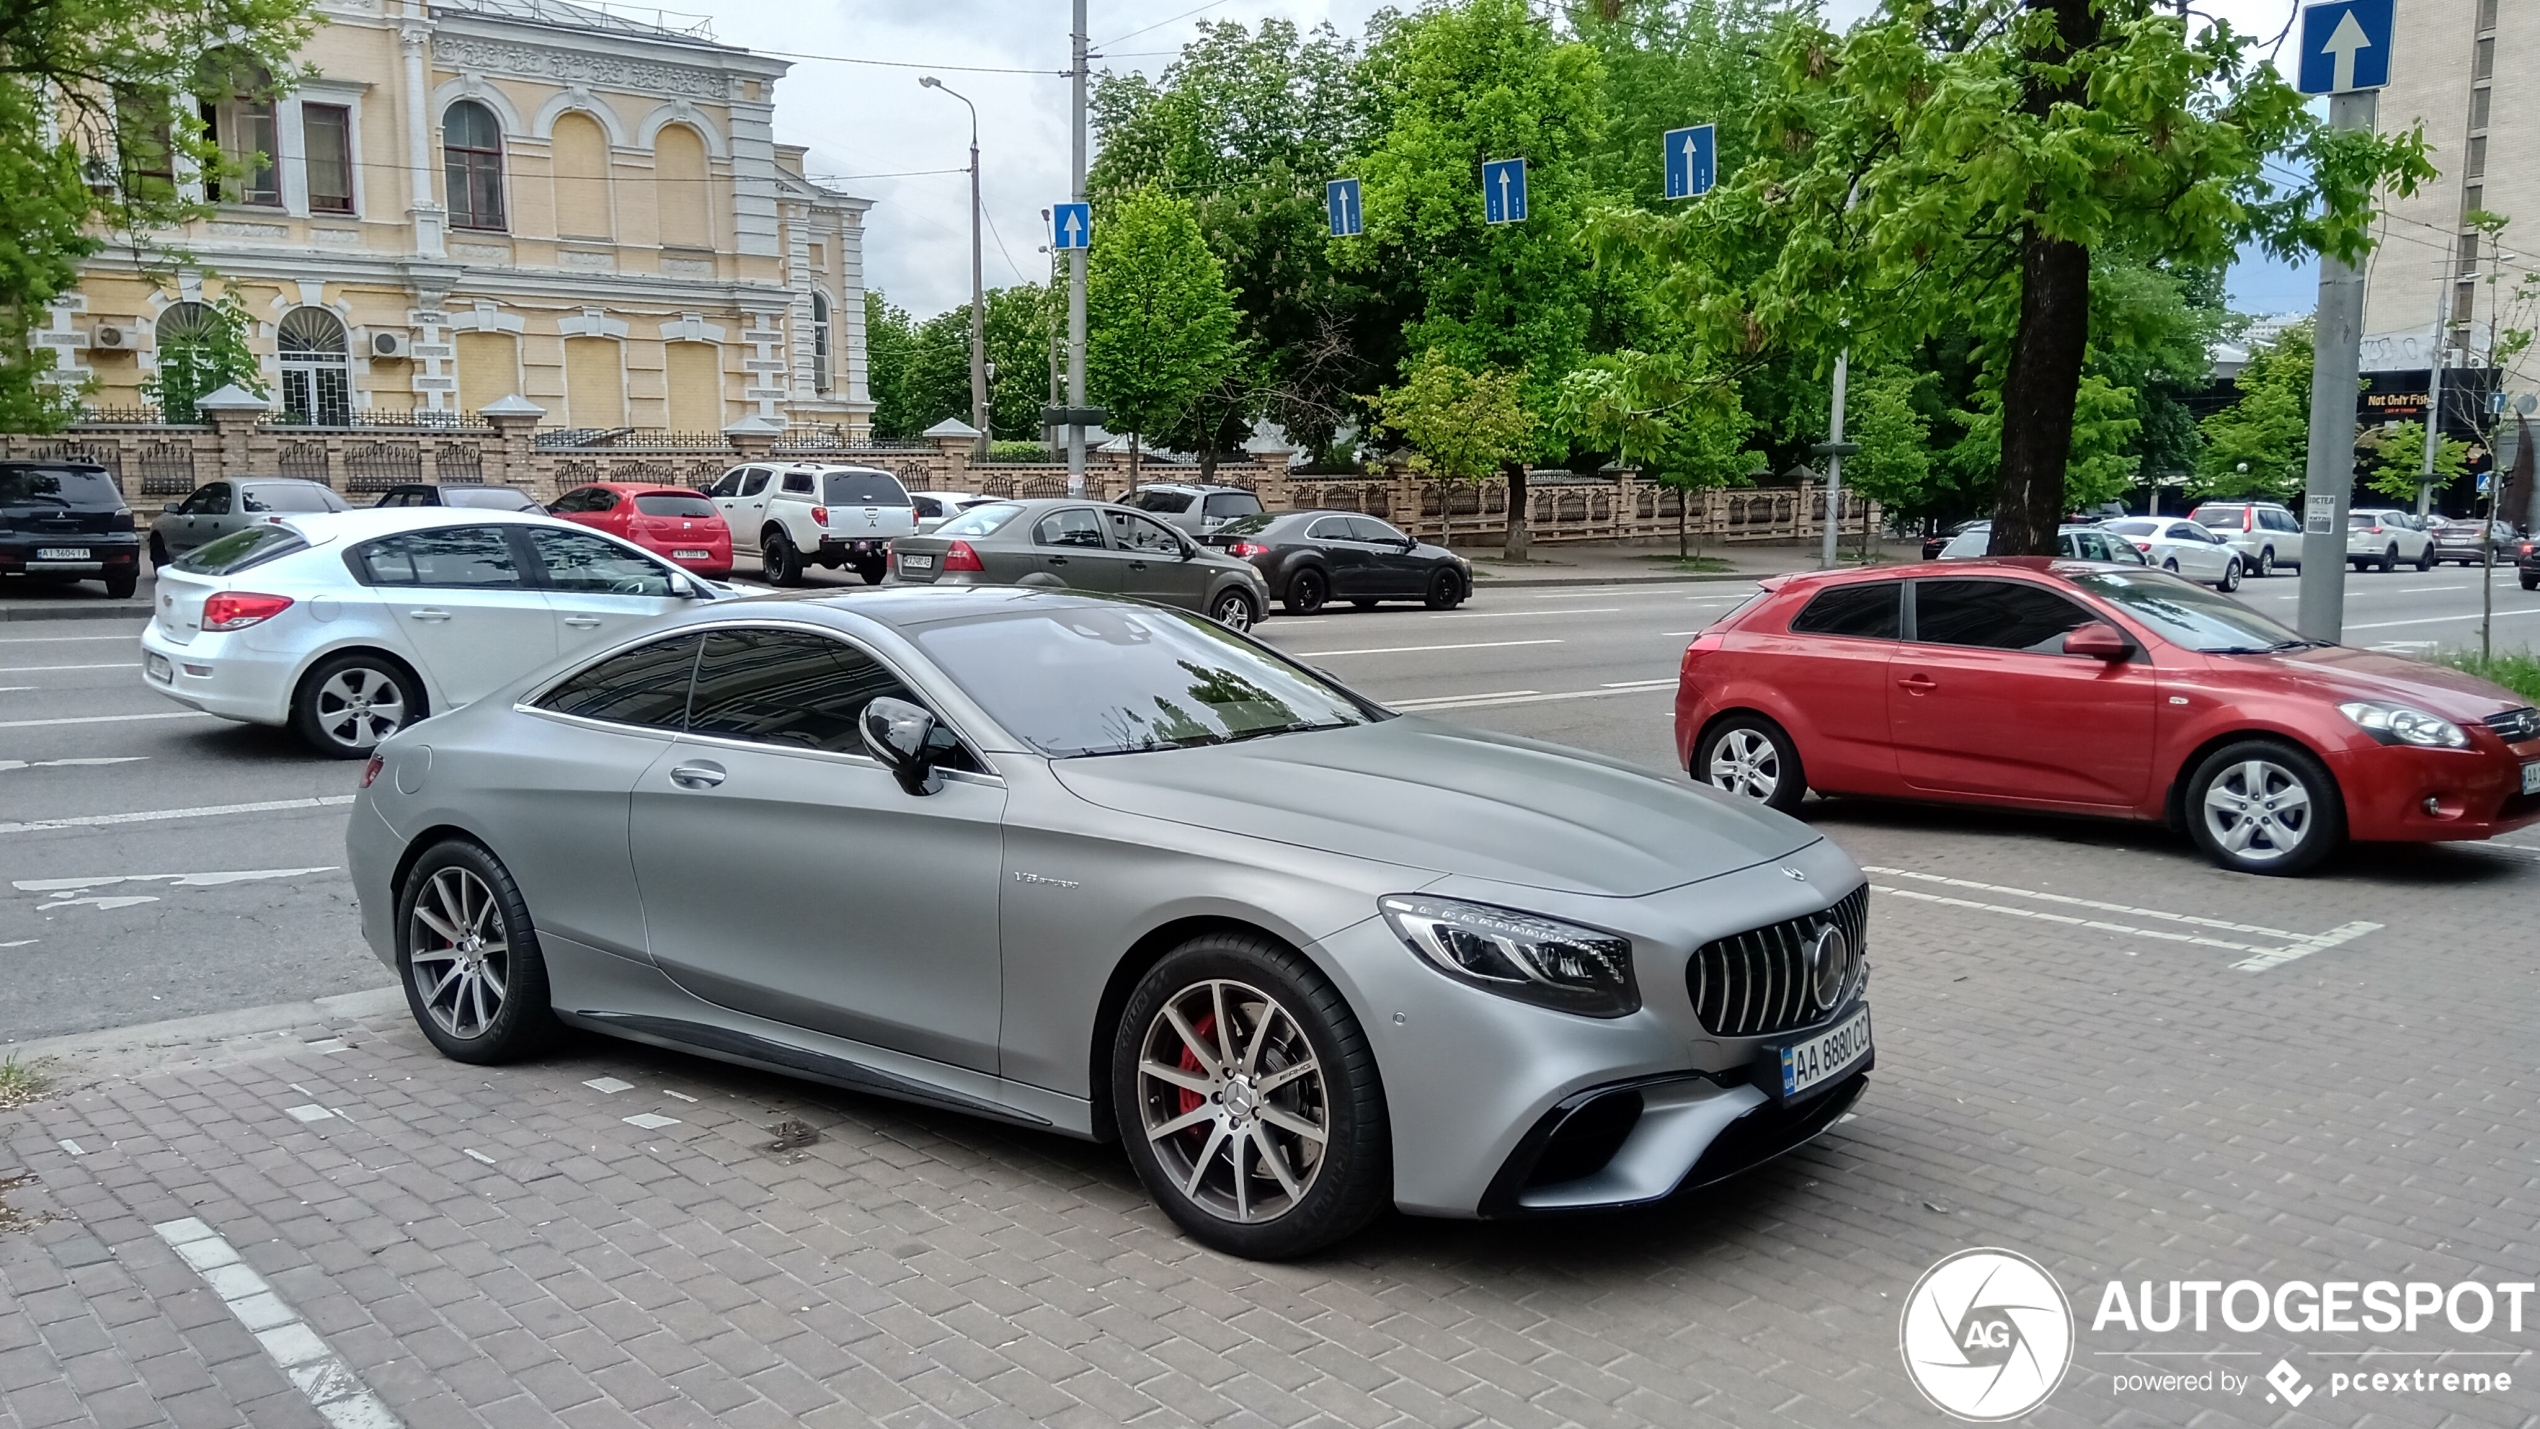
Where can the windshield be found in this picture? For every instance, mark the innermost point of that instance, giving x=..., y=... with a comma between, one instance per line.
x=1122, y=679
x=979, y=520
x=862, y=488
x=58, y=486
x=2189, y=615
x=239, y=550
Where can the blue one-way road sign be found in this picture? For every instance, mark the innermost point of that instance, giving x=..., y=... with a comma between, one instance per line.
x=2346, y=45
x=1689, y=161
x=1072, y=226
x=1340, y=203
x=1504, y=191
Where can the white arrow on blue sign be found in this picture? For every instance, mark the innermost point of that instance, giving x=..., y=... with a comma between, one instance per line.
x=1504, y=191
x=1340, y=203
x=2346, y=46
x=1689, y=161
x=1072, y=226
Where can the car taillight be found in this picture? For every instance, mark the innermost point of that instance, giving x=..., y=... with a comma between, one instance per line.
x=959, y=557
x=1247, y=549
x=2375, y=530
x=370, y=771
x=2144, y=546
x=236, y=610
x=820, y=516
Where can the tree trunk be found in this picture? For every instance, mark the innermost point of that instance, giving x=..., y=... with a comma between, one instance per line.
x=2046, y=355
x=1207, y=464
x=1515, y=545
x=1133, y=461
x=1684, y=520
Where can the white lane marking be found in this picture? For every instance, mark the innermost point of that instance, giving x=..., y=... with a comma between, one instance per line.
x=101, y=719
x=2468, y=615
x=64, y=639
x=1415, y=649
x=312, y=1366
x=649, y=1121
x=1524, y=697
x=1493, y=695
x=2040, y=915
x=2266, y=958
x=173, y=880
x=2092, y=903
x=1636, y=684
x=9, y=764
x=1505, y=614
x=102, y=905
x=15, y=689
x=49, y=669
x=609, y=1086
x=2259, y=959
x=150, y=816
x=21, y=943
x=475, y=1155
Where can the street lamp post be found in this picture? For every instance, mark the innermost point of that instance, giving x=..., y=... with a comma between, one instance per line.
x=978, y=296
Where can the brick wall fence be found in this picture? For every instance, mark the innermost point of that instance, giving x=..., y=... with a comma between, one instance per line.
x=158, y=462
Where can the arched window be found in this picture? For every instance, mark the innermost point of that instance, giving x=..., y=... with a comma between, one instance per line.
x=819, y=341
x=681, y=176
x=472, y=162
x=316, y=371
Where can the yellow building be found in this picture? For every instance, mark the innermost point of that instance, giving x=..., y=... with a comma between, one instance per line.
x=474, y=198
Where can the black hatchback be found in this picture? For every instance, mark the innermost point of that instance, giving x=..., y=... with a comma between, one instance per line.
x=67, y=521
x=1313, y=557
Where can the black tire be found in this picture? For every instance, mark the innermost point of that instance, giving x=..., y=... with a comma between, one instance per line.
x=158, y=552
x=1446, y=591
x=1343, y=1185
x=2266, y=563
x=2390, y=558
x=2531, y=582
x=872, y=570
x=779, y=563
x=1235, y=609
x=1750, y=756
x=2231, y=576
x=1307, y=590
x=2425, y=561
x=350, y=702
x=453, y=1012
x=123, y=585
x=2274, y=770
x=2170, y=565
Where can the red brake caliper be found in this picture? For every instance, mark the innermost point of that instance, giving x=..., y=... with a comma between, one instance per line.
x=1191, y=1100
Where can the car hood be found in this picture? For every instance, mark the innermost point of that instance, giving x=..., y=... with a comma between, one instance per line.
x=2349, y=673
x=1429, y=795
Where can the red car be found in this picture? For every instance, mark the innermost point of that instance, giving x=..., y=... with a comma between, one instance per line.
x=669, y=521
x=2075, y=687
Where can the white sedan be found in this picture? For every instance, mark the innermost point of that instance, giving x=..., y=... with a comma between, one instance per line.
x=348, y=626
x=2181, y=547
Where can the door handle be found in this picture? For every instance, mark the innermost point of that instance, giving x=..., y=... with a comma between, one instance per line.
x=1919, y=684
x=431, y=616
x=1058, y=560
x=701, y=775
x=1137, y=565
x=583, y=622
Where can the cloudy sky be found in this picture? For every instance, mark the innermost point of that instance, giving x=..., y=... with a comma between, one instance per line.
x=873, y=130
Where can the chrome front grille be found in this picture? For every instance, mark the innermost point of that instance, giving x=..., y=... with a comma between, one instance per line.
x=2516, y=726
x=1756, y=983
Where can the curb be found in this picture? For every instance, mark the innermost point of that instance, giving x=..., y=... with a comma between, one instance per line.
x=223, y=1036
x=1484, y=580
x=13, y=614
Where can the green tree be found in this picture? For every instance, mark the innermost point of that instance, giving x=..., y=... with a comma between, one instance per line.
x=1160, y=322
x=1678, y=425
x=1894, y=465
x=211, y=355
x=2260, y=444
x=1461, y=425
x=890, y=340
x=96, y=106
x=2397, y=457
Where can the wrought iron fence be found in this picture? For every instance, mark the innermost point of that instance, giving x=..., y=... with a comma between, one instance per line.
x=370, y=419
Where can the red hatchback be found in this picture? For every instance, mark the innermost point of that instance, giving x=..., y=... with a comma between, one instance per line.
x=669, y=521
x=2074, y=687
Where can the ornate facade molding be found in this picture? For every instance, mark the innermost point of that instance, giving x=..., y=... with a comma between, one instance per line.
x=578, y=67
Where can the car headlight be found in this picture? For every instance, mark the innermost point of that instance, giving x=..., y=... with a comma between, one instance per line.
x=2403, y=724
x=1556, y=965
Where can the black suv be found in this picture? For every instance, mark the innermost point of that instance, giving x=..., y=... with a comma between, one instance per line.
x=67, y=521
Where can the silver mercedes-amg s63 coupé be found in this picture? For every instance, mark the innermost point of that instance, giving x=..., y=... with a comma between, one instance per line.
x=1116, y=871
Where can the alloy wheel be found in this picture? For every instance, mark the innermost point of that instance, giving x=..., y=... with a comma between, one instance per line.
x=1234, y=612
x=2258, y=810
x=1232, y=1101
x=1745, y=763
x=358, y=707
x=460, y=956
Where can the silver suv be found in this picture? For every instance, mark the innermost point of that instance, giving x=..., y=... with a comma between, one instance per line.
x=2266, y=534
x=1196, y=509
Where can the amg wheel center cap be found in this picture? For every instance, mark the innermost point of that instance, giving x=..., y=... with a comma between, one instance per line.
x=1241, y=1100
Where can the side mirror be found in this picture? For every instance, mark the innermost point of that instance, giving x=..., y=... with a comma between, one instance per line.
x=2099, y=640
x=908, y=741
x=168, y=510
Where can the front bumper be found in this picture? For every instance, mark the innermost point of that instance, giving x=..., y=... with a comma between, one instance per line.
x=1638, y=1142
x=221, y=675
x=2475, y=793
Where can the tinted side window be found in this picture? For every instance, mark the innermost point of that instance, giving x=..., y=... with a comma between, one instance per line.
x=463, y=557
x=290, y=498
x=1073, y=527
x=929, y=508
x=798, y=483
x=1866, y=611
x=757, y=481
x=1994, y=615
x=2280, y=521
x=647, y=685
x=1371, y=529
x=1331, y=528
x=1132, y=532
x=787, y=687
x=579, y=562
x=210, y=500
x=1168, y=503
x=730, y=485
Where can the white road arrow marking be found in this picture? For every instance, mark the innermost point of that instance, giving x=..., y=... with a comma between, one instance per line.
x=2343, y=41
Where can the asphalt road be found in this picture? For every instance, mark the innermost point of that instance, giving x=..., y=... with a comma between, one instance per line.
x=228, y=892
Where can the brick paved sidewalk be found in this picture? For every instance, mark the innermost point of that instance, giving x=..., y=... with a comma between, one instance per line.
x=610, y=1237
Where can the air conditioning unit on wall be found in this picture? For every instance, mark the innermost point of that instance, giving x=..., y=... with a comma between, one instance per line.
x=391, y=344
x=113, y=337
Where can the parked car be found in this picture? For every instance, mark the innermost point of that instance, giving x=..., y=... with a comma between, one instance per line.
x=2526, y=558
x=810, y=513
x=1087, y=546
x=1194, y=509
x=1309, y=557
x=217, y=508
x=2184, y=547
x=934, y=508
x=2265, y=533
x=1939, y=541
x=1120, y=873
x=2068, y=688
x=349, y=626
x=2384, y=536
x=477, y=498
x=669, y=521
x=67, y=521
x=2081, y=543
x=2467, y=541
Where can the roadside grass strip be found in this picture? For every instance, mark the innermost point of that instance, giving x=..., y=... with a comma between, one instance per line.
x=300, y=1352
x=2282, y=946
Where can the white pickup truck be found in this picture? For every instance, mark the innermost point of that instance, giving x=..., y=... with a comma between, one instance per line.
x=810, y=513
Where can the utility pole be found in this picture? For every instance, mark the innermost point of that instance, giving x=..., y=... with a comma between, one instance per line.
x=1834, y=449
x=978, y=294
x=2434, y=385
x=1076, y=260
x=2329, y=480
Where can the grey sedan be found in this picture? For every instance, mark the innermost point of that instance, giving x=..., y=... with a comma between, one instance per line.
x=1083, y=545
x=216, y=508
x=1121, y=873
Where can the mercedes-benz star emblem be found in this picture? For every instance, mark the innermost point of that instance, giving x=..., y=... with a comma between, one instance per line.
x=1829, y=964
x=1790, y=872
